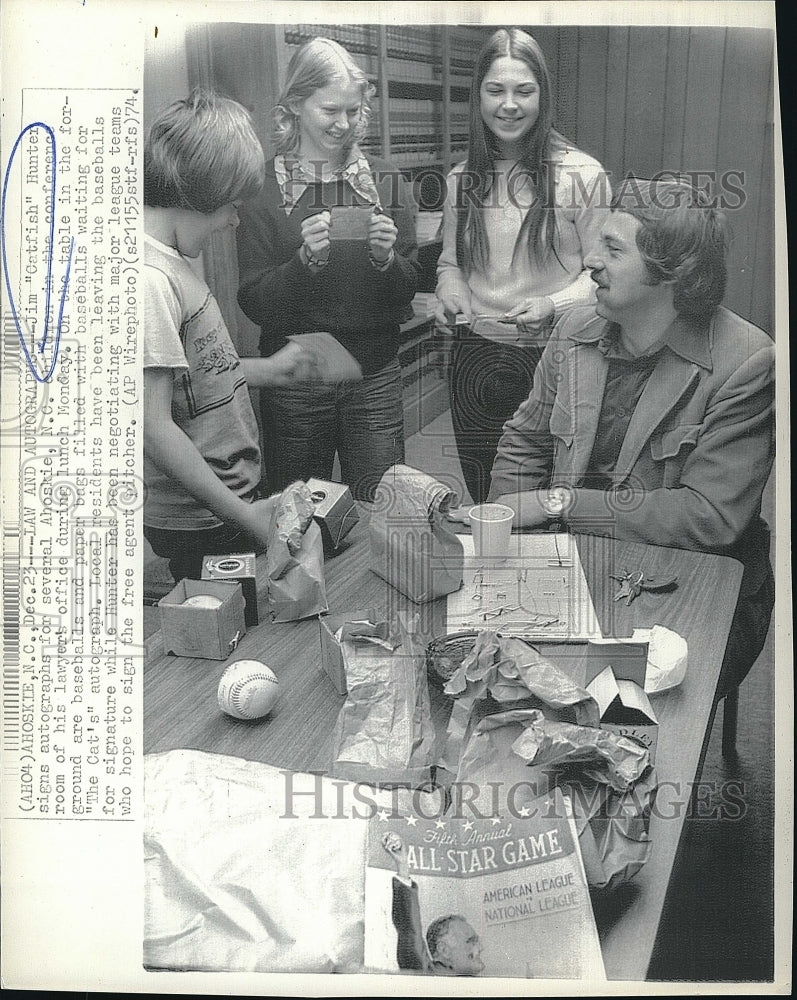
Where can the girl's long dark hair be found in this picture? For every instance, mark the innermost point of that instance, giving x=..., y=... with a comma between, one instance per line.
x=538, y=231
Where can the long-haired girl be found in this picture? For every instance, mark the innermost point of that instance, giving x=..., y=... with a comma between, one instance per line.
x=520, y=216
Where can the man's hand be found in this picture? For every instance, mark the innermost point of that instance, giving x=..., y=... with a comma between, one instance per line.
x=459, y=514
x=529, y=508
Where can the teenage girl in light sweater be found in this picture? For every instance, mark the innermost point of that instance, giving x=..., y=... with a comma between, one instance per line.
x=520, y=216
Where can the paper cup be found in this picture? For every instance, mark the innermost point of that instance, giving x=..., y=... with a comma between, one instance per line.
x=491, y=524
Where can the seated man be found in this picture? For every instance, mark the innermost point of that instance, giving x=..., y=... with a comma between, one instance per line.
x=651, y=415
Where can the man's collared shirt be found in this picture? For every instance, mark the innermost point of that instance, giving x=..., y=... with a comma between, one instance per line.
x=626, y=379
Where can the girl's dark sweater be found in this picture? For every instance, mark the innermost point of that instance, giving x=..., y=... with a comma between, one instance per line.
x=349, y=298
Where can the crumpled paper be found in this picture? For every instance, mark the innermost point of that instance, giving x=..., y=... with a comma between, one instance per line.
x=510, y=671
x=494, y=778
x=612, y=824
x=613, y=829
x=550, y=736
x=384, y=732
x=292, y=518
x=602, y=756
x=369, y=632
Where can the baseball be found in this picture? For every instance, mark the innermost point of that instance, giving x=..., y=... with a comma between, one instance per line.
x=202, y=601
x=248, y=690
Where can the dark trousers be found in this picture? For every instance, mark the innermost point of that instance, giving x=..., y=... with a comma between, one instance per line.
x=305, y=425
x=487, y=383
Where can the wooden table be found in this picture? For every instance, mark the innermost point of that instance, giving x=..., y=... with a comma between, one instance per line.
x=180, y=709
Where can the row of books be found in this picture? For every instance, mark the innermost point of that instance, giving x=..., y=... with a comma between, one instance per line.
x=431, y=139
x=413, y=162
x=403, y=109
x=355, y=38
x=420, y=44
x=418, y=116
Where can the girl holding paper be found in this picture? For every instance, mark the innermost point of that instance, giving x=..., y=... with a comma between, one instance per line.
x=329, y=245
x=520, y=216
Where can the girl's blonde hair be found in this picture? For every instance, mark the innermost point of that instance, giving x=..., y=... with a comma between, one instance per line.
x=316, y=64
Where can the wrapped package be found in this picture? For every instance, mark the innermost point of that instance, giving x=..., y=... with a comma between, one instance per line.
x=506, y=672
x=384, y=732
x=413, y=544
x=237, y=852
x=295, y=558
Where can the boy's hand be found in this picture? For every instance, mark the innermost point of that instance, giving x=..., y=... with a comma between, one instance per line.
x=315, y=236
x=382, y=233
x=291, y=364
x=259, y=516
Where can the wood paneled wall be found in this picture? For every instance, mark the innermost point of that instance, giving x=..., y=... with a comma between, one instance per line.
x=644, y=100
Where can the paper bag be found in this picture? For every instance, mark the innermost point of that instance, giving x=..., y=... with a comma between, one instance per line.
x=384, y=732
x=413, y=545
x=613, y=829
x=295, y=558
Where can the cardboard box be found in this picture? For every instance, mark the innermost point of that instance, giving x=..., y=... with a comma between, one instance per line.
x=331, y=653
x=210, y=633
x=238, y=566
x=335, y=511
x=613, y=672
x=625, y=709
